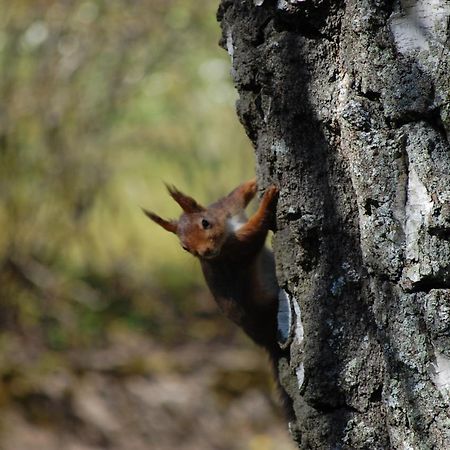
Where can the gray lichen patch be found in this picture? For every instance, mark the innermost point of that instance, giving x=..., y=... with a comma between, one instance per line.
x=436, y=310
x=418, y=208
x=420, y=30
x=377, y=170
x=279, y=147
x=428, y=191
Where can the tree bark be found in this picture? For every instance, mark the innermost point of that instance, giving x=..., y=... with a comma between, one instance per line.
x=347, y=105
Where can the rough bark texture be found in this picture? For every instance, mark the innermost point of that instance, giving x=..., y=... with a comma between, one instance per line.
x=347, y=104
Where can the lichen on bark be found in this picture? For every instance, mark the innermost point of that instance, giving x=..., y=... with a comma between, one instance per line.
x=347, y=105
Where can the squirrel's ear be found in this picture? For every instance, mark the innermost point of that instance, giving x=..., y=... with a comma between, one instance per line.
x=166, y=224
x=188, y=204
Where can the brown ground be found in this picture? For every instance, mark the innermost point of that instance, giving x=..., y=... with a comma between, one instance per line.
x=138, y=395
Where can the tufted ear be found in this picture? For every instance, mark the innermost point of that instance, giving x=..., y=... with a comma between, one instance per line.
x=188, y=204
x=166, y=224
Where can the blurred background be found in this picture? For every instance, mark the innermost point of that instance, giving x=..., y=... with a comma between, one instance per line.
x=109, y=338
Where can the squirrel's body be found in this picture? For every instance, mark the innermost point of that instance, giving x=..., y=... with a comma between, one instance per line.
x=246, y=290
x=239, y=270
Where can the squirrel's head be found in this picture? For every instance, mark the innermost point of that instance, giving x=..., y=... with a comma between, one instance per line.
x=202, y=231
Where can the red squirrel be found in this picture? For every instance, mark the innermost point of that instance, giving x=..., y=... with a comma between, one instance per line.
x=238, y=268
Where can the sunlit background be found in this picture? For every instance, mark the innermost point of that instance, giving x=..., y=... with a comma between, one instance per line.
x=109, y=338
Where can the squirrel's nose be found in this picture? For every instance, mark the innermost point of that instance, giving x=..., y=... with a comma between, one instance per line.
x=185, y=248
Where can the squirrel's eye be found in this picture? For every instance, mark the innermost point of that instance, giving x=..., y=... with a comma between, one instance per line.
x=206, y=224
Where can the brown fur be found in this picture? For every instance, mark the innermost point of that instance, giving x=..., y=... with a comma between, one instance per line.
x=239, y=270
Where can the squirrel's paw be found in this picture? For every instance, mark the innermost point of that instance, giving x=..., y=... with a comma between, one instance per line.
x=270, y=194
x=251, y=186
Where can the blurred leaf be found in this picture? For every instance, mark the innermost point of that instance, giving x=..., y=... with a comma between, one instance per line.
x=103, y=101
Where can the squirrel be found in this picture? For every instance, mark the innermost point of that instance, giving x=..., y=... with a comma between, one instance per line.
x=239, y=270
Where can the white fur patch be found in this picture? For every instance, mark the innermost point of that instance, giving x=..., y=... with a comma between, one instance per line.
x=235, y=222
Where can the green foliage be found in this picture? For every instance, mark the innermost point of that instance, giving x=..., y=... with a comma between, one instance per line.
x=102, y=102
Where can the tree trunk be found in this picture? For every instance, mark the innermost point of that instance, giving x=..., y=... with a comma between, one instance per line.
x=347, y=105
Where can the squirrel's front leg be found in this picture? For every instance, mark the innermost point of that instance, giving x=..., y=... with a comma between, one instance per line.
x=238, y=199
x=259, y=223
